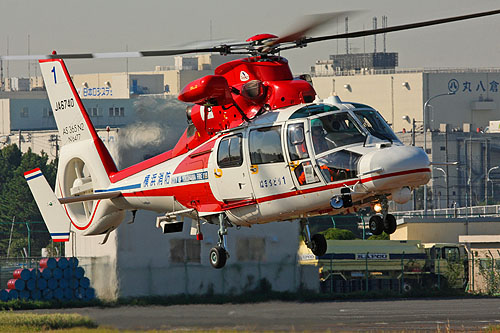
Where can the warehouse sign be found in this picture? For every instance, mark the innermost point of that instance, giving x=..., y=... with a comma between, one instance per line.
x=372, y=256
x=455, y=86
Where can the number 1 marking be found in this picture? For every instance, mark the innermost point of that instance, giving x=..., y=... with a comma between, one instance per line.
x=54, y=71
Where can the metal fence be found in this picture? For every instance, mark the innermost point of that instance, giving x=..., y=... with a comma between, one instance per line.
x=395, y=275
x=9, y=265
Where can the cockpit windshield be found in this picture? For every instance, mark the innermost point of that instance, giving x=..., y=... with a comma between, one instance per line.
x=334, y=130
x=375, y=124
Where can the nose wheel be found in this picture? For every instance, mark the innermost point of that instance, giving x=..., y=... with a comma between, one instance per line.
x=378, y=224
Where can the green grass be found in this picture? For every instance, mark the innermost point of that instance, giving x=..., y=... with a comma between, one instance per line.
x=27, y=322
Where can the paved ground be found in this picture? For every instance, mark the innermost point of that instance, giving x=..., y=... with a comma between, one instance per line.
x=413, y=315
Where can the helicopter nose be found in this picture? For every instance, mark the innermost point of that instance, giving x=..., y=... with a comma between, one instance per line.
x=395, y=167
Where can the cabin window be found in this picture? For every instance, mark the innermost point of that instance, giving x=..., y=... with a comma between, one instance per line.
x=339, y=165
x=297, y=148
x=265, y=145
x=334, y=130
x=230, y=153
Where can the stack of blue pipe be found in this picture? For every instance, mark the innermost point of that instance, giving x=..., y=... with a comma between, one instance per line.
x=57, y=278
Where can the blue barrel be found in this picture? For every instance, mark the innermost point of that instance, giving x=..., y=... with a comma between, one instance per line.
x=89, y=294
x=80, y=293
x=68, y=294
x=41, y=284
x=84, y=282
x=73, y=262
x=35, y=273
x=36, y=295
x=22, y=273
x=68, y=273
x=31, y=284
x=4, y=295
x=58, y=294
x=62, y=262
x=57, y=273
x=13, y=294
x=46, y=273
x=63, y=283
x=79, y=272
x=48, y=262
x=24, y=294
x=74, y=283
x=47, y=294
x=17, y=284
x=52, y=283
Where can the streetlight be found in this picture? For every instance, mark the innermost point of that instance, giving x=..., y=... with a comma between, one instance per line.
x=425, y=138
x=492, y=185
x=446, y=182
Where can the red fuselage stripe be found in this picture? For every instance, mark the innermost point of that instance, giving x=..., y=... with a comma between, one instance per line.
x=174, y=191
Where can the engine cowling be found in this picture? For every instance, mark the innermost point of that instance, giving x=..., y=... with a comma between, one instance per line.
x=210, y=89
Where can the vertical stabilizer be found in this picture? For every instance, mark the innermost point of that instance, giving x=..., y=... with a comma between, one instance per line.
x=52, y=211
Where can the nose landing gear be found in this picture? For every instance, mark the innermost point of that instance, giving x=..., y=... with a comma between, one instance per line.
x=385, y=222
x=316, y=243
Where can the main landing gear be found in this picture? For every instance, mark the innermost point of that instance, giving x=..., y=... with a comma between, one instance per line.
x=385, y=222
x=219, y=254
x=316, y=243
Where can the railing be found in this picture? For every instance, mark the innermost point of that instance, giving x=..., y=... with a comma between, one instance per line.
x=474, y=211
x=403, y=71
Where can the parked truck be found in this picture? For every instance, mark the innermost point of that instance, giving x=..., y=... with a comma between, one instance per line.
x=353, y=265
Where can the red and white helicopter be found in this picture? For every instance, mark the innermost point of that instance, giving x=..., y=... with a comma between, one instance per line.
x=260, y=147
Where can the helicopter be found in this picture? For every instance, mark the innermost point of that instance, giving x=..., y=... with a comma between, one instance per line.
x=260, y=146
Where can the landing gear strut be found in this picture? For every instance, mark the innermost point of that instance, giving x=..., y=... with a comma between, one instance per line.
x=385, y=222
x=218, y=254
x=316, y=243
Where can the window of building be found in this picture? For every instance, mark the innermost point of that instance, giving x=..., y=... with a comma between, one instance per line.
x=25, y=112
x=94, y=112
x=185, y=251
x=47, y=112
x=229, y=153
x=265, y=145
x=251, y=249
x=117, y=112
x=442, y=148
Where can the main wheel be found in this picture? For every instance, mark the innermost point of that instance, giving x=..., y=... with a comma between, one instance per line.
x=218, y=257
x=390, y=224
x=376, y=225
x=318, y=245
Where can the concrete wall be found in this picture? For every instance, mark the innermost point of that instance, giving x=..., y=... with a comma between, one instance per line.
x=145, y=265
x=441, y=230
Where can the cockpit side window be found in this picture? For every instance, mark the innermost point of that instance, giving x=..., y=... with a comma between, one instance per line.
x=229, y=153
x=375, y=124
x=297, y=148
x=339, y=165
x=334, y=130
x=265, y=145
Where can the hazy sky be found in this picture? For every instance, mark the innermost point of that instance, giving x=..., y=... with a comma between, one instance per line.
x=106, y=26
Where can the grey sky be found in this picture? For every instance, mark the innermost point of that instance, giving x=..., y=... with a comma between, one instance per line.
x=105, y=26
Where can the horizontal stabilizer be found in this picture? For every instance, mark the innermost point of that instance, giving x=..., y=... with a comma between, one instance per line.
x=89, y=197
x=51, y=209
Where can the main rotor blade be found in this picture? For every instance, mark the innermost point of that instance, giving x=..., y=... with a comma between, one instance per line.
x=110, y=55
x=400, y=27
x=310, y=23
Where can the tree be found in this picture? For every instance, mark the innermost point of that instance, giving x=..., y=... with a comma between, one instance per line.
x=382, y=236
x=16, y=200
x=338, y=234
